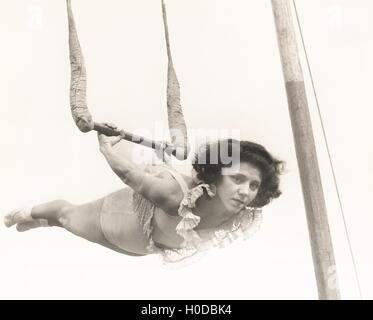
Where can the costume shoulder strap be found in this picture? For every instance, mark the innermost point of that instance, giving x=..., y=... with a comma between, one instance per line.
x=179, y=179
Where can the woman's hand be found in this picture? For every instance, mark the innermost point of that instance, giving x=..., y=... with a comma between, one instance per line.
x=106, y=141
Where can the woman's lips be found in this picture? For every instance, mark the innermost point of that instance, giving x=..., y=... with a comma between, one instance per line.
x=238, y=202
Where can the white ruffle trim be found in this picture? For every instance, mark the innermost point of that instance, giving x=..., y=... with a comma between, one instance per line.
x=241, y=226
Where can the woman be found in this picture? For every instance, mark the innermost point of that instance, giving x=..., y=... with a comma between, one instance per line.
x=162, y=211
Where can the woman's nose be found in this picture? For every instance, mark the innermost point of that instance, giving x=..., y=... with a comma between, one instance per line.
x=244, y=191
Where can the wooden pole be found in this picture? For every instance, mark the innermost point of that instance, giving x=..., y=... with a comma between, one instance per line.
x=321, y=244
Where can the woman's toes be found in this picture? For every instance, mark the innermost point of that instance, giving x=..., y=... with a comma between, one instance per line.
x=18, y=216
x=24, y=226
x=21, y=227
x=9, y=218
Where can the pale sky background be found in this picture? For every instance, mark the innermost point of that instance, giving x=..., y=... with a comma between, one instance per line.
x=227, y=61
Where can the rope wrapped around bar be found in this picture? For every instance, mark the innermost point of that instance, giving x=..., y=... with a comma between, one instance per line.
x=176, y=122
x=78, y=86
x=78, y=98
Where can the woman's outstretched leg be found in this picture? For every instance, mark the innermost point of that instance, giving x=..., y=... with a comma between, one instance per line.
x=81, y=220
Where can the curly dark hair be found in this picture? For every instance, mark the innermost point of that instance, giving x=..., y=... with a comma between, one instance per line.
x=209, y=161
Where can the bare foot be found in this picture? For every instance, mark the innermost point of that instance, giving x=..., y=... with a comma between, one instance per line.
x=18, y=216
x=36, y=223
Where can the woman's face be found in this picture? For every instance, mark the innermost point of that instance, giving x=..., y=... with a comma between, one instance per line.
x=238, y=188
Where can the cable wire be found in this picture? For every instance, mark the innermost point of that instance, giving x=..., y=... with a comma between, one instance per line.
x=328, y=152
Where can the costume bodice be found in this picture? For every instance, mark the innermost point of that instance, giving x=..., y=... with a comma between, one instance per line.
x=175, y=237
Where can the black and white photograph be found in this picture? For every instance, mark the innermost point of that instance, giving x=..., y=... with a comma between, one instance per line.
x=186, y=150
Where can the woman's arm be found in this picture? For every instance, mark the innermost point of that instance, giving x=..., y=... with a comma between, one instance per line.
x=164, y=192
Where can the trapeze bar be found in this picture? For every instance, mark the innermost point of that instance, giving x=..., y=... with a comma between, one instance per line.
x=167, y=147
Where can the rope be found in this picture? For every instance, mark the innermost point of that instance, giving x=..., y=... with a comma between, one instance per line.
x=78, y=85
x=176, y=121
x=328, y=152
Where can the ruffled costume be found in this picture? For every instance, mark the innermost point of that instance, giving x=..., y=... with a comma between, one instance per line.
x=241, y=226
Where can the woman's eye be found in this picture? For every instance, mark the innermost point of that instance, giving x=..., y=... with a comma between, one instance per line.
x=237, y=178
x=254, y=186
